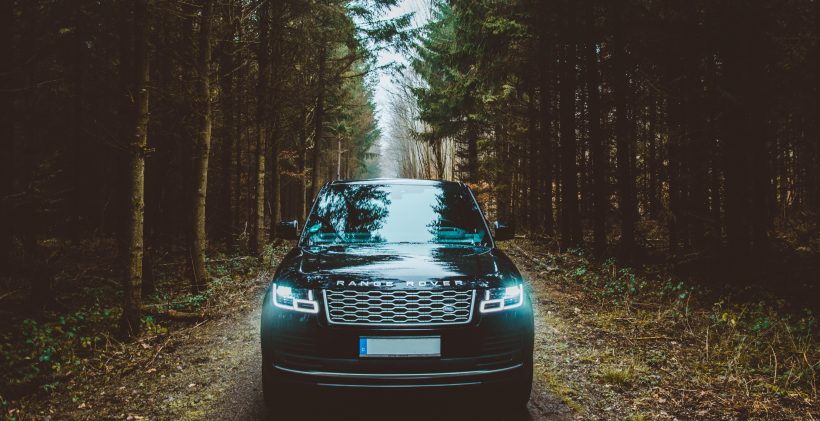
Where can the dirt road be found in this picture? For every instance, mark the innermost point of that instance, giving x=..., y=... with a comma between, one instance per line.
x=211, y=371
x=236, y=345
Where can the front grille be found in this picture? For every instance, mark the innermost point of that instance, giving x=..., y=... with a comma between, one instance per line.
x=399, y=307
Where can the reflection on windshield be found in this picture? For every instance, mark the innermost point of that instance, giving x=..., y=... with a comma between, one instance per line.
x=369, y=213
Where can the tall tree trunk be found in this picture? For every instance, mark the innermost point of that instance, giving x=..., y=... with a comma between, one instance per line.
x=503, y=178
x=547, y=150
x=745, y=130
x=544, y=60
x=570, y=223
x=276, y=179
x=7, y=119
x=653, y=172
x=138, y=144
x=626, y=173
x=262, y=124
x=301, y=196
x=203, y=149
x=471, y=132
x=597, y=148
x=241, y=104
x=228, y=102
x=79, y=199
x=534, y=160
x=276, y=189
x=811, y=169
x=29, y=214
x=318, y=121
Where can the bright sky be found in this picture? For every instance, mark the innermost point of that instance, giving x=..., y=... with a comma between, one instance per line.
x=385, y=85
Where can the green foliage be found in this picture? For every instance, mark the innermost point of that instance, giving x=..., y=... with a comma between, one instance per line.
x=610, y=282
x=150, y=326
x=53, y=347
x=763, y=347
x=616, y=376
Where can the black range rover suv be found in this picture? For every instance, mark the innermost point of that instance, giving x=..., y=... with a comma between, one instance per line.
x=396, y=283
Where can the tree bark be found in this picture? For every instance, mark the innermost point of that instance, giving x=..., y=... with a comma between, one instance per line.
x=533, y=212
x=228, y=102
x=597, y=149
x=7, y=120
x=627, y=200
x=318, y=121
x=545, y=121
x=301, y=196
x=570, y=224
x=745, y=130
x=653, y=172
x=262, y=123
x=275, y=53
x=138, y=144
x=471, y=132
x=203, y=149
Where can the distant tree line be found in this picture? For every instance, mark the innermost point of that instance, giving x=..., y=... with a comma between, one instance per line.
x=168, y=123
x=597, y=116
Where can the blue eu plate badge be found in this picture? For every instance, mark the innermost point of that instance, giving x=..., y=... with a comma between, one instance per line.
x=399, y=346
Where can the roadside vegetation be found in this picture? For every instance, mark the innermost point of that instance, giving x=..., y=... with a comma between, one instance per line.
x=71, y=351
x=645, y=342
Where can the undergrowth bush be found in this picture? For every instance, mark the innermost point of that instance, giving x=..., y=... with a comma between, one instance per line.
x=40, y=350
x=759, y=348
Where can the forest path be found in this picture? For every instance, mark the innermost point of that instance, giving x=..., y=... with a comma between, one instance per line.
x=234, y=345
x=211, y=370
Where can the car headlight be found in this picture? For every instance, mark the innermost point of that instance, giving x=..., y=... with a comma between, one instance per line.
x=296, y=299
x=497, y=299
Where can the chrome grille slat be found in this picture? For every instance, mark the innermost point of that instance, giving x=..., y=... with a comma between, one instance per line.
x=399, y=308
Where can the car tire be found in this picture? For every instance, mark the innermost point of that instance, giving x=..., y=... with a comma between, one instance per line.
x=524, y=389
x=517, y=395
x=275, y=396
x=268, y=388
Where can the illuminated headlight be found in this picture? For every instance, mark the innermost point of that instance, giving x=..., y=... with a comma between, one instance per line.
x=295, y=299
x=497, y=299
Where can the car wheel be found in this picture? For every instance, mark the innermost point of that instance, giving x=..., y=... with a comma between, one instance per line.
x=268, y=388
x=275, y=395
x=518, y=395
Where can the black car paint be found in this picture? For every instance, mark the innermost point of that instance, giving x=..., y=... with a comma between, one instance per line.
x=308, y=342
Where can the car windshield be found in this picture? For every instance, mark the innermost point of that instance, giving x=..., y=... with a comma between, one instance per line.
x=397, y=213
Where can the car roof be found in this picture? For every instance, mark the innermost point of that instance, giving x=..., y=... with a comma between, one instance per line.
x=398, y=181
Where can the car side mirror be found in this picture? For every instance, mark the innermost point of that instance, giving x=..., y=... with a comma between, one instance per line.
x=503, y=231
x=288, y=230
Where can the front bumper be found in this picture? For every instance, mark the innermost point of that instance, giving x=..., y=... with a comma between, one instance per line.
x=304, y=350
x=475, y=378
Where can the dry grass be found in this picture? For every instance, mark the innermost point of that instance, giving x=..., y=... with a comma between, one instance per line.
x=668, y=350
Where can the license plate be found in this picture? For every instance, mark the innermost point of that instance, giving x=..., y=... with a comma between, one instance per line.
x=400, y=346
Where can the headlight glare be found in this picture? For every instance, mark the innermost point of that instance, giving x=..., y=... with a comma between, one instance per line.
x=498, y=299
x=296, y=299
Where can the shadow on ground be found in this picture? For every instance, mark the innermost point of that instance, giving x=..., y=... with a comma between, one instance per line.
x=395, y=407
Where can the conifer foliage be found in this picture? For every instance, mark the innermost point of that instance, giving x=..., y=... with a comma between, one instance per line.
x=625, y=119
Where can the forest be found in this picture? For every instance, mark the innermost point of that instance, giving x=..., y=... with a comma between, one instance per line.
x=158, y=123
x=149, y=148
x=577, y=119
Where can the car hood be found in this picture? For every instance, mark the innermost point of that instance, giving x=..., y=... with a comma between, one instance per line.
x=392, y=266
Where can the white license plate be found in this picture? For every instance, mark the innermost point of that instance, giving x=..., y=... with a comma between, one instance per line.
x=400, y=346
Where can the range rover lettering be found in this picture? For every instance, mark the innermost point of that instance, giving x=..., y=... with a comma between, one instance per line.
x=397, y=284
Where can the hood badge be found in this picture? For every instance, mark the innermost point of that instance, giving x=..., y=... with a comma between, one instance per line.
x=394, y=284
